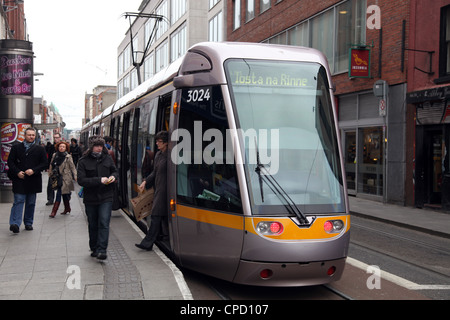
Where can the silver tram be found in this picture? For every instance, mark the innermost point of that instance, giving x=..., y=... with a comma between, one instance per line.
x=256, y=185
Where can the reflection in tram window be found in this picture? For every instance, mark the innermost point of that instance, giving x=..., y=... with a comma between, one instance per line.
x=199, y=182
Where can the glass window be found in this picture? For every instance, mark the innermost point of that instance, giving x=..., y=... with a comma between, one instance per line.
x=204, y=176
x=286, y=120
x=178, y=9
x=146, y=144
x=178, y=43
x=236, y=14
x=370, y=169
x=161, y=56
x=216, y=28
x=264, y=5
x=250, y=12
x=149, y=66
x=322, y=34
x=162, y=10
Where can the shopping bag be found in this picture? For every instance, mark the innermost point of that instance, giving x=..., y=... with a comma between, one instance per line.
x=142, y=204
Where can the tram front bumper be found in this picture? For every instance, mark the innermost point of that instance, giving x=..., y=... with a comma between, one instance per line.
x=289, y=274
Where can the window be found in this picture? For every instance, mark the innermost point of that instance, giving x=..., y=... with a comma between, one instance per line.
x=236, y=14
x=297, y=144
x=250, y=12
x=205, y=178
x=264, y=5
x=162, y=10
x=149, y=66
x=178, y=43
x=215, y=28
x=444, y=60
x=146, y=143
x=161, y=57
x=149, y=36
x=178, y=9
x=332, y=31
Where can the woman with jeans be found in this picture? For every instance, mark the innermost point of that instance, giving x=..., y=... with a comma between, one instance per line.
x=62, y=161
x=97, y=173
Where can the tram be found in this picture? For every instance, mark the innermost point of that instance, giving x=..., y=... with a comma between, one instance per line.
x=256, y=186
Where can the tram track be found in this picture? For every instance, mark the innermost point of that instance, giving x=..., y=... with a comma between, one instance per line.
x=403, y=250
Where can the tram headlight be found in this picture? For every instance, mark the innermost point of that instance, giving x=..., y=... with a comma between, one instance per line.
x=270, y=228
x=333, y=226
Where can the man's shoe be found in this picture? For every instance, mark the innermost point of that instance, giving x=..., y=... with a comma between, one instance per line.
x=94, y=254
x=14, y=228
x=29, y=227
x=101, y=256
x=49, y=203
x=140, y=246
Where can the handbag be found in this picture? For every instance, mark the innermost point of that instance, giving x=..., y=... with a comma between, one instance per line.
x=142, y=204
x=56, y=179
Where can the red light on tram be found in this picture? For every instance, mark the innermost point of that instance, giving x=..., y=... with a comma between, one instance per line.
x=276, y=227
x=266, y=274
x=328, y=226
x=331, y=271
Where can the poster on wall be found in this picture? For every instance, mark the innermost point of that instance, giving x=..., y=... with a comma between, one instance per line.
x=10, y=134
x=16, y=74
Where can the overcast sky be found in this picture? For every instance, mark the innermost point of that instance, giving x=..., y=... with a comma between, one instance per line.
x=75, y=47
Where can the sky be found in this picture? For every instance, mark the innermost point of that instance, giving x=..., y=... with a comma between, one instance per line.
x=75, y=47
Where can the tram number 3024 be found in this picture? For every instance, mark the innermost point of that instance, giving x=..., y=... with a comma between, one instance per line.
x=198, y=95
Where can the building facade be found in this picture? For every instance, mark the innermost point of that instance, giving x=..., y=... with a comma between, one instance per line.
x=428, y=103
x=157, y=43
x=373, y=127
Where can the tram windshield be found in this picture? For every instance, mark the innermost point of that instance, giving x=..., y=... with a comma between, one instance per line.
x=285, y=119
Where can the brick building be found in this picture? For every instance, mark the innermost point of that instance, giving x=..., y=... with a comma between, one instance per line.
x=373, y=133
x=428, y=100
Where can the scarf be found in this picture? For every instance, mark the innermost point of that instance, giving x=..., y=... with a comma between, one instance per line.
x=28, y=145
x=59, y=158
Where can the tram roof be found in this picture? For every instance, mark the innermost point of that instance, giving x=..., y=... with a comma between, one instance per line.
x=218, y=52
x=250, y=50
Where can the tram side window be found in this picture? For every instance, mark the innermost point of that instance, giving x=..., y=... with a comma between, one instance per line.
x=206, y=177
x=146, y=139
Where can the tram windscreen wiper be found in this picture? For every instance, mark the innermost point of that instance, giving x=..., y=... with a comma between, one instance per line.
x=273, y=184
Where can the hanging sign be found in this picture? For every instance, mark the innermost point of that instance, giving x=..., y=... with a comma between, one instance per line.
x=359, y=63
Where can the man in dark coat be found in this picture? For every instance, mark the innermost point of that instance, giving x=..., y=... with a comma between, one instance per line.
x=96, y=174
x=158, y=180
x=26, y=161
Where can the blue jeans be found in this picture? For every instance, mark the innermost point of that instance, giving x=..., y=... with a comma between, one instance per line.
x=21, y=200
x=99, y=217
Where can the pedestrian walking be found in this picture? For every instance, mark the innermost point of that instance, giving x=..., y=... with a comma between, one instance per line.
x=158, y=180
x=75, y=151
x=50, y=152
x=26, y=161
x=97, y=174
x=62, y=170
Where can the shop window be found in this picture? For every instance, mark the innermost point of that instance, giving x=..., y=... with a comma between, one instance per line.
x=370, y=168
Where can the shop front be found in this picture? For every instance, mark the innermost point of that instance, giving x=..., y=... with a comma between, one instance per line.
x=432, y=161
x=365, y=133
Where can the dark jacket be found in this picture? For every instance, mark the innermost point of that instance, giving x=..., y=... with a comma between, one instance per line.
x=21, y=160
x=90, y=172
x=158, y=180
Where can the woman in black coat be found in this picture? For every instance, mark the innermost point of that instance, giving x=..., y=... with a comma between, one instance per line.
x=158, y=180
x=26, y=161
x=96, y=173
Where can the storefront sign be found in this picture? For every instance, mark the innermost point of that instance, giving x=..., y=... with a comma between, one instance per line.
x=16, y=73
x=359, y=63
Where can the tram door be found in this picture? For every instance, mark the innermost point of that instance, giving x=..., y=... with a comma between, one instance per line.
x=208, y=215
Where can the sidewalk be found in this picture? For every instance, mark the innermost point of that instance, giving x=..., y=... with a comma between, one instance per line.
x=425, y=220
x=53, y=261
